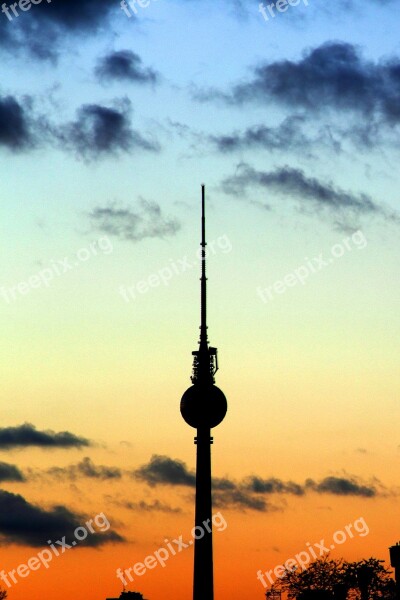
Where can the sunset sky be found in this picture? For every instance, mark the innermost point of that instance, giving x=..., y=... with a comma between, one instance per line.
x=109, y=124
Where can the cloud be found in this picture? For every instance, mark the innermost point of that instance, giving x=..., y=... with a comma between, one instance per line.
x=27, y=524
x=98, y=131
x=85, y=468
x=102, y=131
x=272, y=486
x=134, y=225
x=24, y=436
x=142, y=506
x=294, y=183
x=15, y=126
x=241, y=500
x=48, y=23
x=168, y=471
x=10, y=473
x=124, y=65
x=165, y=470
x=331, y=78
x=333, y=75
x=162, y=470
x=250, y=492
x=342, y=486
x=289, y=136
x=286, y=136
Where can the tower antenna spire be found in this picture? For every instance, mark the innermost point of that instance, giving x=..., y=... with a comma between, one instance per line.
x=203, y=326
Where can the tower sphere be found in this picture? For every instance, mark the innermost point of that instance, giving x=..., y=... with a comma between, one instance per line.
x=203, y=406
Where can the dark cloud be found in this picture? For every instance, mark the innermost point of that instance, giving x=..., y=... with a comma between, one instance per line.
x=272, y=486
x=242, y=500
x=162, y=470
x=28, y=524
x=167, y=471
x=342, y=486
x=124, y=65
x=10, y=473
x=98, y=131
x=134, y=225
x=294, y=184
x=102, y=131
x=41, y=31
x=85, y=468
x=24, y=436
x=223, y=484
x=332, y=76
x=15, y=127
x=250, y=492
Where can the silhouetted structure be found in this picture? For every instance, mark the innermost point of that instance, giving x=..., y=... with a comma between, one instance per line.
x=315, y=595
x=128, y=596
x=203, y=406
x=395, y=563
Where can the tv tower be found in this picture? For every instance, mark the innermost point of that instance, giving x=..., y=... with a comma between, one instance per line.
x=203, y=406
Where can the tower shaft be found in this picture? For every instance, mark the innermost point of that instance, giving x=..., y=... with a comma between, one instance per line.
x=203, y=580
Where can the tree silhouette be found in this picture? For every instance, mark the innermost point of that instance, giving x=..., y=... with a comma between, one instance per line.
x=366, y=579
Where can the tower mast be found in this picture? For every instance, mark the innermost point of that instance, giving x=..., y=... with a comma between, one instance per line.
x=203, y=326
x=203, y=406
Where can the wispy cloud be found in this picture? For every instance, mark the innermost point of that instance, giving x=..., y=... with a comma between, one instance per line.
x=241, y=500
x=85, y=468
x=133, y=225
x=293, y=183
x=149, y=507
x=286, y=136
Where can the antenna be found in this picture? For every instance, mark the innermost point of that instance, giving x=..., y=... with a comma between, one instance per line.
x=203, y=326
x=205, y=363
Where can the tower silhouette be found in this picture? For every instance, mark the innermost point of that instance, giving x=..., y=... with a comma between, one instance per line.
x=203, y=406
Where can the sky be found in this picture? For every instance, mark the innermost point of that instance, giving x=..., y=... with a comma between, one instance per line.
x=111, y=118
